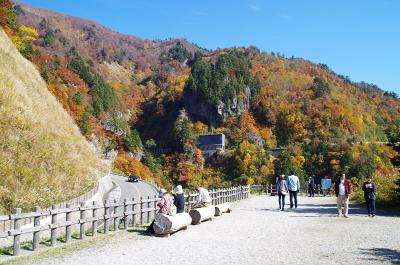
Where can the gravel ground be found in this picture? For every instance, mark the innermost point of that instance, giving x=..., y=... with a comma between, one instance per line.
x=257, y=233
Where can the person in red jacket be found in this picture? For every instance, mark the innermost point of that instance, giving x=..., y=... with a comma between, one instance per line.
x=343, y=191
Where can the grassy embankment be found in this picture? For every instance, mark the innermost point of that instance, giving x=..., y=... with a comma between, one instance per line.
x=44, y=159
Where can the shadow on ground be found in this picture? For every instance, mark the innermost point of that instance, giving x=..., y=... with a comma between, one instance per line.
x=319, y=210
x=327, y=209
x=140, y=231
x=382, y=254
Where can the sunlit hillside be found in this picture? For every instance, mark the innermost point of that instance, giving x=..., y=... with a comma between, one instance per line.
x=43, y=157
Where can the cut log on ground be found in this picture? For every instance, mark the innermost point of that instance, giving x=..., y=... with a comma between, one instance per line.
x=200, y=214
x=222, y=208
x=167, y=224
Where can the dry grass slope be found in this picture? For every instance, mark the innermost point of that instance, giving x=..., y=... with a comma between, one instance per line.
x=43, y=156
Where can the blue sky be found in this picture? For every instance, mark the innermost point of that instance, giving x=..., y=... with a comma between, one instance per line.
x=358, y=38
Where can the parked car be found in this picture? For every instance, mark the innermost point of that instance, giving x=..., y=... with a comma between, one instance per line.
x=133, y=178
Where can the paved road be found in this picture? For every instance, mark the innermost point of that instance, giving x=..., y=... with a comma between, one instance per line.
x=256, y=232
x=135, y=190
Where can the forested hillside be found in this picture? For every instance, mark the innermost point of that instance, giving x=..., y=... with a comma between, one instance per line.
x=150, y=100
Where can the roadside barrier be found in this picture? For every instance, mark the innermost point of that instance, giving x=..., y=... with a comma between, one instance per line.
x=112, y=216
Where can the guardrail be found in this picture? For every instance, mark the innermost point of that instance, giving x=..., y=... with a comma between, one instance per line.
x=6, y=225
x=271, y=189
x=86, y=219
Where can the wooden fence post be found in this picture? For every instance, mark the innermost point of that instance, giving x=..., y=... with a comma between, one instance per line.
x=155, y=206
x=94, y=223
x=133, y=213
x=236, y=194
x=141, y=210
x=225, y=195
x=68, y=227
x=17, y=226
x=36, y=223
x=188, y=202
x=82, y=220
x=115, y=212
x=148, y=208
x=106, y=216
x=53, y=233
x=125, y=215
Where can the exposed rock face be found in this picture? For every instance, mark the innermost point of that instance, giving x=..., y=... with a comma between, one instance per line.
x=254, y=138
x=197, y=107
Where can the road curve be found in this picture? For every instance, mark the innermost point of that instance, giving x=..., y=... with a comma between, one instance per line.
x=134, y=190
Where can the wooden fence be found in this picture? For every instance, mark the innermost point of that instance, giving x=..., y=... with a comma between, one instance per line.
x=7, y=224
x=271, y=189
x=111, y=216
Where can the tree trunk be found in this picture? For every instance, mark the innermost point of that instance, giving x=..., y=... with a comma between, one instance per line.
x=200, y=214
x=166, y=224
x=222, y=208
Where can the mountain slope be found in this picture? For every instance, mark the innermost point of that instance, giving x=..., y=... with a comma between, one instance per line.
x=43, y=157
x=95, y=41
x=130, y=93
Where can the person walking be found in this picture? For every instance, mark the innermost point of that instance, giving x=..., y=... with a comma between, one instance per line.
x=179, y=199
x=326, y=184
x=369, y=195
x=311, y=186
x=342, y=191
x=282, y=190
x=293, y=184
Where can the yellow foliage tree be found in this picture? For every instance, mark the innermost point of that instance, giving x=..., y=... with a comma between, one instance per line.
x=200, y=128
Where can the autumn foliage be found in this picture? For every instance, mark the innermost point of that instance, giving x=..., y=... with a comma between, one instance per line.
x=128, y=166
x=130, y=95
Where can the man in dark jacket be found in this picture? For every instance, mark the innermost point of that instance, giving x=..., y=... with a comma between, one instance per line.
x=311, y=186
x=179, y=199
x=369, y=195
x=342, y=191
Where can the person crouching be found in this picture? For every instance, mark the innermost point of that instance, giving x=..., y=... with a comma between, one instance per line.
x=204, y=199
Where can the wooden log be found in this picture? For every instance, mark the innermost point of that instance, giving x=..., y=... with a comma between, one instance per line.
x=167, y=224
x=222, y=208
x=200, y=214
